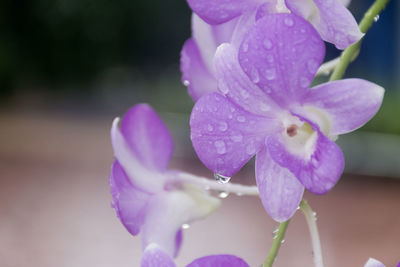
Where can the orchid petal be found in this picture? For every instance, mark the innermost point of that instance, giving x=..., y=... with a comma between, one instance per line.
x=281, y=54
x=167, y=213
x=318, y=164
x=154, y=256
x=236, y=85
x=332, y=19
x=280, y=191
x=220, y=11
x=373, y=263
x=347, y=104
x=195, y=74
x=129, y=202
x=218, y=261
x=147, y=136
x=224, y=135
x=141, y=177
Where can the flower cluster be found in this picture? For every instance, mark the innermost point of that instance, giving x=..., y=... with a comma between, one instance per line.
x=249, y=67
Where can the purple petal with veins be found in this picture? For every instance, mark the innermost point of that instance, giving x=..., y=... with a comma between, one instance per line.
x=218, y=261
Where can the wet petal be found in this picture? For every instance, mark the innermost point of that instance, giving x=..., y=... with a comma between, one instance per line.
x=168, y=211
x=129, y=202
x=332, y=19
x=318, y=163
x=147, y=136
x=373, y=263
x=220, y=11
x=348, y=104
x=154, y=256
x=236, y=85
x=195, y=75
x=280, y=191
x=146, y=179
x=218, y=261
x=281, y=54
x=224, y=135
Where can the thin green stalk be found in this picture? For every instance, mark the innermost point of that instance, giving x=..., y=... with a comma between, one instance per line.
x=351, y=52
x=278, y=240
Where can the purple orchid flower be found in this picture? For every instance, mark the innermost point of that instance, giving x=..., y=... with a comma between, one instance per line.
x=146, y=196
x=332, y=19
x=264, y=106
x=154, y=256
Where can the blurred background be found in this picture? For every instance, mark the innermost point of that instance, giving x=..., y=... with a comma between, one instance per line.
x=68, y=67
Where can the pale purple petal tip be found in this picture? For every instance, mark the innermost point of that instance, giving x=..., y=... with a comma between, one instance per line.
x=280, y=191
x=129, y=202
x=224, y=135
x=195, y=75
x=332, y=19
x=281, y=54
x=147, y=136
x=373, y=263
x=220, y=11
x=318, y=167
x=218, y=261
x=348, y=104
x=154, y=256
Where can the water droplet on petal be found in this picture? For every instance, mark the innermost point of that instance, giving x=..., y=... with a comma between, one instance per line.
x=237, y=138
x=223, y=88
x=267, y=43
x=270, y=74
x=245, y=47
x=222, y=179
x=255, y=76
x=223, y=194
x=220, y=146
x=223, y=126
x=210, y=128
x=376, y=18
x=185, y=226
x=270, y=58
x=186, y=83
x=289, y=22
x=244, y=93
x=241, y=119
x=304, y=82
x=312, y=66
x=250, y=149
x=264, y=107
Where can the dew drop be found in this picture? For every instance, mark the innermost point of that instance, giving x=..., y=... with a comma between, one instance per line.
x=245, y=47
x=267, y=43
x=222, y=179
x=264, y=107
x=210, y=128
x=223, y=126
x=239, y=194
x=275, y=233
x=250, y=149
x=237, y=138
x=312, y=66
x=304, y=82
x=289, y=22
x=220, y=146
x=283, y=241
x=241, y=119
x=376, y=18
x=244, y=93
x=185, y=226
x=270, y=74
x=223, y=194
x=223, y=88
x=186, y=83
x=270, y=58
x=255, y=76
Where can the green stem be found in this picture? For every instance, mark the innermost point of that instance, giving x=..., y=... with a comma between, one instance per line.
x=351, y=52
x=278, y=240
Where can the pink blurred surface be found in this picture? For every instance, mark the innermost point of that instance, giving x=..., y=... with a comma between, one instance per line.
x=55, y=208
